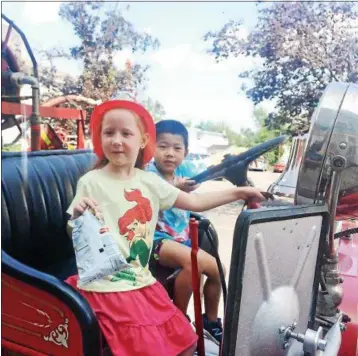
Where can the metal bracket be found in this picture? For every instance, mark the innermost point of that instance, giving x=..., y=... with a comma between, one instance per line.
x=312, y=340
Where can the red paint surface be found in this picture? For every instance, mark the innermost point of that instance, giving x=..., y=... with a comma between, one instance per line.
x=29, y=315
x=45, y=111
x=194, y=230
x=7, y=346
x=348, y=264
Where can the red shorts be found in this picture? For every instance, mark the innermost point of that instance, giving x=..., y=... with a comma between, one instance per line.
x=140, y=322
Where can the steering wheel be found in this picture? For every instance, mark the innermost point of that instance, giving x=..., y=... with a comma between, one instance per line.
x=234, y=167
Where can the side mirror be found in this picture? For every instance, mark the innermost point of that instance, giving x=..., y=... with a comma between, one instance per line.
x=274, y=277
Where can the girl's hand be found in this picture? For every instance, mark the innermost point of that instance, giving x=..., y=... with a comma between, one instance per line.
x=251, y=194
x=185, y=184
x=82, y=205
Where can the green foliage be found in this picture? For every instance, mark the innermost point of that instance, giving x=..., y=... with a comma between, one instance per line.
x=247, y=137
x=155, y=108
x=303, y=47
x=102, y=33
x=12, y=148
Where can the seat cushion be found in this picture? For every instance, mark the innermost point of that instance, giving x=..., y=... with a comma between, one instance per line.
x=37, y=189
x=63, y=269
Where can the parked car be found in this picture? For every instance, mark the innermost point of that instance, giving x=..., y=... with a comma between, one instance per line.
x=279, y=167
x=258, y=165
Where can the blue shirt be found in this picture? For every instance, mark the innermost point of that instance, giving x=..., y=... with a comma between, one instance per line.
x=173, y=223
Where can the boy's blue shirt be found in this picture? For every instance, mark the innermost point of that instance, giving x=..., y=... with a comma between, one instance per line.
x=173, y=223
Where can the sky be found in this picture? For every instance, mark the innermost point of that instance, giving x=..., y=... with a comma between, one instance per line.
x=183, y=77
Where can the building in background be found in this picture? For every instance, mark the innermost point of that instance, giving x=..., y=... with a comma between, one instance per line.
x=206, y=142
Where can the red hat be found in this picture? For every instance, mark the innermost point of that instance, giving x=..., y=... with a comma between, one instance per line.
x=146, y=118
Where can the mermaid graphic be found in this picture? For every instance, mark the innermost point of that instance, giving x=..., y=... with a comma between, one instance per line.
x=134, y=225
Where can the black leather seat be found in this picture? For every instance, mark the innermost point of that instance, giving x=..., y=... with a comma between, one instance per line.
x=36, y=192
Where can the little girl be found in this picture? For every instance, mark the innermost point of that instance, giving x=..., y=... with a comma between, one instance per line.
x=133, y=309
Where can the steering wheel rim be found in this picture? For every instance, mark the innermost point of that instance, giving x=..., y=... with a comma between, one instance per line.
x=234, y=168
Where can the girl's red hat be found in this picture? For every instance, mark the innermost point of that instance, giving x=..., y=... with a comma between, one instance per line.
x=144, y=115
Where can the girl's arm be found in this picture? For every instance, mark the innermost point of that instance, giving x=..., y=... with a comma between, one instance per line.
x=206, y=201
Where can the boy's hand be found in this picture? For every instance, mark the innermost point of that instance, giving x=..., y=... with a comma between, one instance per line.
x=185, y=184
x=82, y=205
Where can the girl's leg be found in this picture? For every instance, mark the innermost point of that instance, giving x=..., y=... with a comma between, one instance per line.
x=173, y=254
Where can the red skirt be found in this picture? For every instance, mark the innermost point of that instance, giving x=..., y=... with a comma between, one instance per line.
x=140, y=322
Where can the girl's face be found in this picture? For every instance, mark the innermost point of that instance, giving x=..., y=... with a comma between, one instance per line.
x=122, y=137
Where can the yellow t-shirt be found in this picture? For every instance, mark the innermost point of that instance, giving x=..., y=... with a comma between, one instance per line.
x=130, y=210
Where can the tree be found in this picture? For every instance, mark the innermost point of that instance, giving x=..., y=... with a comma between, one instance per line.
x=247, y=137
x=303, y=47
x=264, y=134
x=188, y=123
x=155, y=108
x=102, y=32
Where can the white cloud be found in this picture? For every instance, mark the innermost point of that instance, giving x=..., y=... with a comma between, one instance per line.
x=196, y=59
x=148, y=30
x=41, y=11
x=235, y=110
x=192, y=85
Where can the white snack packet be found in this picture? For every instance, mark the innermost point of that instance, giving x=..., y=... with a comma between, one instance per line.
x=97, y=253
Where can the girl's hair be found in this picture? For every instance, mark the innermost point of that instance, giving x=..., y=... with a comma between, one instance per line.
x=102, y=162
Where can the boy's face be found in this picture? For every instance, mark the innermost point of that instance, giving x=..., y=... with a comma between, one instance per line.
x=170, y=152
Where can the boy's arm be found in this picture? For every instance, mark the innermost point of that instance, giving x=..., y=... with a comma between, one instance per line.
x=207, y=201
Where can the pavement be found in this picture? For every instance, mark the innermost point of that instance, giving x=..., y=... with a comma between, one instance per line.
x=224, y=219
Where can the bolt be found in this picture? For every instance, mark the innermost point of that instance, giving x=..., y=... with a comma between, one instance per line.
x=342, y=145
x=298, y=337
x=286, y=345
x=342, y=327
x=338, y=162
x=341, y=280
x=321, y=345
x=281, y=330
x=293, y=326
x=346, y=318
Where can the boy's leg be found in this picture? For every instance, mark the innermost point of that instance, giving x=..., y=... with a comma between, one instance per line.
x=173, y=254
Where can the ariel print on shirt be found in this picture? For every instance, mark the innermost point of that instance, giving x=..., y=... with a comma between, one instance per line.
x=134, y=225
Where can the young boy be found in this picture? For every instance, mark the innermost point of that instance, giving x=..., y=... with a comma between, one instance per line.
x=171, y=240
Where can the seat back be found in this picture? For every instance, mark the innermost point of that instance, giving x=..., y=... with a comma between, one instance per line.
x=37, y=188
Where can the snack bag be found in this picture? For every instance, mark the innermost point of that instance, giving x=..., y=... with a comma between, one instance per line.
x=97, y=253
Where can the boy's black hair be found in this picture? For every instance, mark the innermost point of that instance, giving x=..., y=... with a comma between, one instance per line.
x=173, y=127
